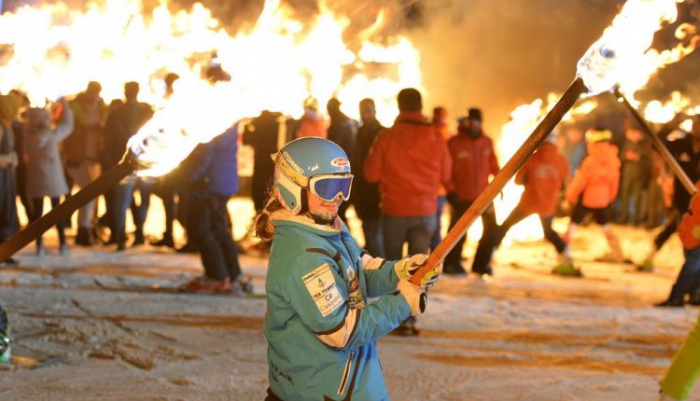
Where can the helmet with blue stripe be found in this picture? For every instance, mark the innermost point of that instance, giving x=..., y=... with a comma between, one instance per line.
x=315, y=164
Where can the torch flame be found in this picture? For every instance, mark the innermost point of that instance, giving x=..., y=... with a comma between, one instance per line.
x=273, y=65
x=620, y=56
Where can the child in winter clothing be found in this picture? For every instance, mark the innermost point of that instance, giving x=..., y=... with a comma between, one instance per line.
x=593, y=189
x=320, y=326
x=543, y=176
x=45, y=176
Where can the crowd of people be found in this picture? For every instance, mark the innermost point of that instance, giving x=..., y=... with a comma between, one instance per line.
x=403, y=178
x=400, y=193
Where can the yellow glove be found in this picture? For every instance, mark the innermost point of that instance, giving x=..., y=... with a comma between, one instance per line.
x=407, y=267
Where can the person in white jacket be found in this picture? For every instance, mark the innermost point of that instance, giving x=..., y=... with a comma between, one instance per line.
x=45, y=176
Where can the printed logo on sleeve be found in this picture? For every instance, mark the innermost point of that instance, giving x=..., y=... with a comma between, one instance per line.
x=321, y=285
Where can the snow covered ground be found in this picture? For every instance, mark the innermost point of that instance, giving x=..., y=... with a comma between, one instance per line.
x=526, y=335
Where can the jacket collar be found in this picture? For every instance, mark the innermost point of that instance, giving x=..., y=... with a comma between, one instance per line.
x=411, y=115
x=283, y=217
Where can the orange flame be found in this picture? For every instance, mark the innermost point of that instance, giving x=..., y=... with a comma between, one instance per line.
x=275, y=65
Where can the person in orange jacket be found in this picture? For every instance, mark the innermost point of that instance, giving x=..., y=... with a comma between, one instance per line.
x=544, y=176
x=312, y=122
x=593, y=189
x=474, y=161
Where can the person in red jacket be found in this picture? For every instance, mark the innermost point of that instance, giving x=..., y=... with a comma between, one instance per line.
x=474, y=160
x=593, y=189
x=409, y=160
x=544, y=176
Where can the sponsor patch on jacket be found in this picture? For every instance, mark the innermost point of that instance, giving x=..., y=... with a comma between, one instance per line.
x=321, y=285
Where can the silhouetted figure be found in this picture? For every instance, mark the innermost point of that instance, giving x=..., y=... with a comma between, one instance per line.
x=82, y=152
x=264, y=133
x=9, y=222
x=343, y=131
x=122, y=124
x=365, y=195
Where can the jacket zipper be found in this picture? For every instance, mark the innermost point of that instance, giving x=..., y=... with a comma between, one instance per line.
x=346, y=372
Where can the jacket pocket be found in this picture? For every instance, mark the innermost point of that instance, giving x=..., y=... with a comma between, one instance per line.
x=346, y=372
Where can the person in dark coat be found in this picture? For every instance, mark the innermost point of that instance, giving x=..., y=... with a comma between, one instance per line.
x=342, y=131
x=122, y=124
x=21, y=169
x=687, y=152
x=82, y=150
x=9, y=222
x=366, y=198
x=264, y=134
x=635, y=156
x=214, y=179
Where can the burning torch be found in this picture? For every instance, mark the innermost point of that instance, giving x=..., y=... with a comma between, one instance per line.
x=601, y=69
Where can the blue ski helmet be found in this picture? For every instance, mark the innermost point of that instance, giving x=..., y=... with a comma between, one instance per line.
x=302, y=161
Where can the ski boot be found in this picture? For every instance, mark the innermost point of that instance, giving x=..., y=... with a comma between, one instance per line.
x=242, y=285
x=567, y=270
x=646, y=267
x=565, y=266
x=671, y=303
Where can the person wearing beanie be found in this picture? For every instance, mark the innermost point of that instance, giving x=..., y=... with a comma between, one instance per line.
x=474, y=161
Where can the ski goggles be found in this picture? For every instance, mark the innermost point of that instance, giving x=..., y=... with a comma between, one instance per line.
x=329, y=186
